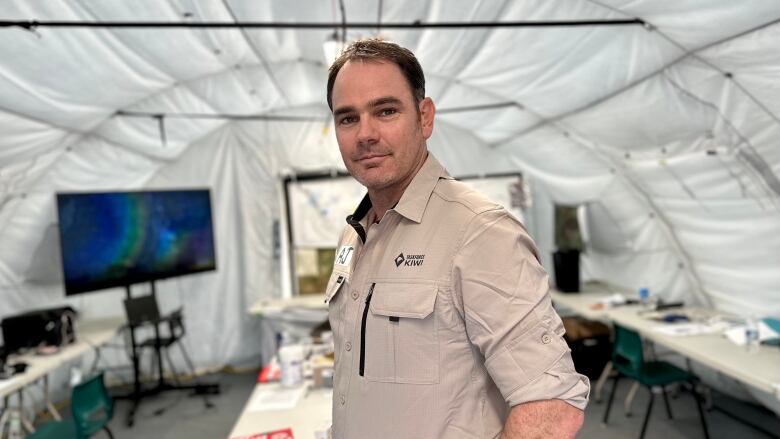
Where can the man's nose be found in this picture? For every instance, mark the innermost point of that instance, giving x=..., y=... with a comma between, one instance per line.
x=367, y=131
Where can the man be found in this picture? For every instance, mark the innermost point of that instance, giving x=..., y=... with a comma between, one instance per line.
x=442, y=320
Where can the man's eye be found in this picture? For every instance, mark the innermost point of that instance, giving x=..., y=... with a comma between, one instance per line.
x=388, y=111
x=346, y=120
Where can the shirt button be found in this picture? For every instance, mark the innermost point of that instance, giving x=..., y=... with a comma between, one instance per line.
x=546, y=339
x=348, y=346
x=343, y=400
x=355, y=295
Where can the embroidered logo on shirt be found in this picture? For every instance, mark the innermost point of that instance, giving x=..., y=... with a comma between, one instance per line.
x=344, y=255
x=409, y=260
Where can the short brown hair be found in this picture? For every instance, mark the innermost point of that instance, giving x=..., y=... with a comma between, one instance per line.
x=377, y=50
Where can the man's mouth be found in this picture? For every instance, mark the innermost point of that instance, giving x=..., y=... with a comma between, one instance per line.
x=371, y=159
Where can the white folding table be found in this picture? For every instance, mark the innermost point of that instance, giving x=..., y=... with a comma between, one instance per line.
x=90, y=334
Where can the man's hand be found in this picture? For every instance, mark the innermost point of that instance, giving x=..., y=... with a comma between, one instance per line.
x=543, y=419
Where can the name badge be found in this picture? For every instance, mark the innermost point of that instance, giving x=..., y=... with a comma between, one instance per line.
x=344, y=255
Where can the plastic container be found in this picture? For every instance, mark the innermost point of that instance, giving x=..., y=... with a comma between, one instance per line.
x=323, y=432
x=291, y=362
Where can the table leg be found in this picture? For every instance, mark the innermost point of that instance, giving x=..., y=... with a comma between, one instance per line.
x=49, y=406
x=95, y=362
x=25, y=421
x=4, y=417
x=602, y=380
x=630, y=398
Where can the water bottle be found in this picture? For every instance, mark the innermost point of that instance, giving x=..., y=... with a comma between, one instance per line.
x=751, y=335
x=644, y=296
x=76, y=376
x=291, y=357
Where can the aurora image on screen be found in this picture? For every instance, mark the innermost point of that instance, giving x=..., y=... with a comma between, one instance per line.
x=119, y=238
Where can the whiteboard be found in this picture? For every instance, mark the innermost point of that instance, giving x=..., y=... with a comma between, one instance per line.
x=318, y=207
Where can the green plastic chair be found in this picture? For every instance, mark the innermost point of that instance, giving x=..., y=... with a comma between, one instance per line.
x=628, y=361
x=92, y=409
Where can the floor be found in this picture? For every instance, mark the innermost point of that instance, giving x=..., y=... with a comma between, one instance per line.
x=686, y=422
x=184, y=416
x=187, y=417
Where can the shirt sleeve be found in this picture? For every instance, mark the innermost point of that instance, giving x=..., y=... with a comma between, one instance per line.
x=509, y=315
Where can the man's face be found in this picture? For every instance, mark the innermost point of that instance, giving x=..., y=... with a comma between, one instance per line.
x=380, y=132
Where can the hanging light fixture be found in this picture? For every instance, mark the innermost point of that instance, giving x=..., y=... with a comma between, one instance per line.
x=332, y=48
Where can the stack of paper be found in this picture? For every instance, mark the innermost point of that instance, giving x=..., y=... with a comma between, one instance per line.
x=277, y=398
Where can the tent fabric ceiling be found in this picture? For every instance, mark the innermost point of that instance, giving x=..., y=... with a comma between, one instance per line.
x=670, y=128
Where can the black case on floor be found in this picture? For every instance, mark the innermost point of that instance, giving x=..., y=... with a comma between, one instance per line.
x=590, y=343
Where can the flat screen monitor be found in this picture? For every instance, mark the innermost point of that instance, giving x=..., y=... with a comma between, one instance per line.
x=113, y=239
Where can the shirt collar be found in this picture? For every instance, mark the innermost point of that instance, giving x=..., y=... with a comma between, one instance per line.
x=414, y=200
x=358, y=216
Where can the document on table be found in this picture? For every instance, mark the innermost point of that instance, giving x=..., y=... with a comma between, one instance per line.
x=737, y=333
x=683, y=329
x=276, y=399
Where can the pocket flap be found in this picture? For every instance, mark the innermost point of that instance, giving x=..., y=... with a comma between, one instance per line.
x=410, y=300
x=335, y=282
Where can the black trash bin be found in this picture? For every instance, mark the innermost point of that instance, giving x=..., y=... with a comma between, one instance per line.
x=567, y=270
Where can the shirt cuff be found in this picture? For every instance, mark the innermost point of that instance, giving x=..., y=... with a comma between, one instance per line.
x=561, y=381
x=538, y=366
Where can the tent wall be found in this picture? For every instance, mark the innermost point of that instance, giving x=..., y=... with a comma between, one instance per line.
x=668, y=129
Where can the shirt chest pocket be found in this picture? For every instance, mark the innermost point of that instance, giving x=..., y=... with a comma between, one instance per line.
x=400, y=342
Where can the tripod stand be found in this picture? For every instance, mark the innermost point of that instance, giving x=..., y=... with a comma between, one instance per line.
x=142, y=311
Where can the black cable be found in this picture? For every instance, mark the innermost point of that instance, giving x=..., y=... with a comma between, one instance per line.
x=34, y=24
x=258, y=54
x=161, y=126
x=286, y=118
x=269, y=117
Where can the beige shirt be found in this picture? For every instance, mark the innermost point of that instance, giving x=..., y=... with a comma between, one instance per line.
x=442, y=318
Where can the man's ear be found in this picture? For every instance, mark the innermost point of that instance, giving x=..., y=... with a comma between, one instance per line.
x=427, y=111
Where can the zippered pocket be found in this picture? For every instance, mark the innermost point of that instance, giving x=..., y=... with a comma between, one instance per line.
x=363, y=322
x=399, y=333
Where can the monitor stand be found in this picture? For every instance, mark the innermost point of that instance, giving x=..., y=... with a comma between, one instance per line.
x=162, y=385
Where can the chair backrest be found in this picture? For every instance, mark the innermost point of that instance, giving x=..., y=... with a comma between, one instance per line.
x=142, y=309
x=92, y=406
x=627, y=355
x=176, y=324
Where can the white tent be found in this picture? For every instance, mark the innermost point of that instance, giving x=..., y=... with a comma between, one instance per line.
x=666, y=126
